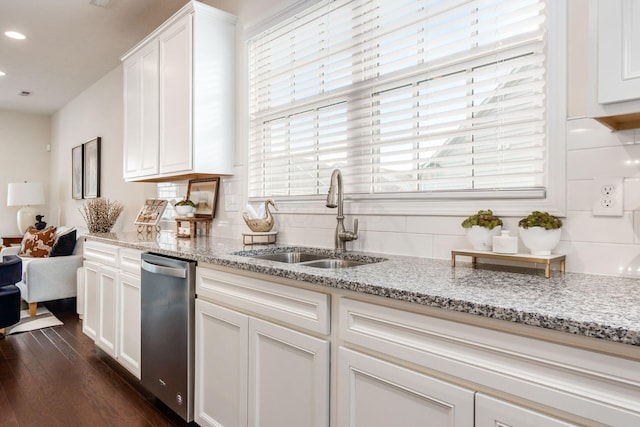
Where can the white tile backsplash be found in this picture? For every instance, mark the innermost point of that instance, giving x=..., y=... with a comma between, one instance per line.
x=622, y=160
x=587, y=133
x=597, y=245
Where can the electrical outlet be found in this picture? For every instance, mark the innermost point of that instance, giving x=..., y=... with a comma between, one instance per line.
x=607, y=196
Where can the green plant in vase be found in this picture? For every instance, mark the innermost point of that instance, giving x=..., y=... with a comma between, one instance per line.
x=540, y=232
x=185, y=207
x=481, y=227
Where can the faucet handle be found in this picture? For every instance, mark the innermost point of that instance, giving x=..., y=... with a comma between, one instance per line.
x=355, y=226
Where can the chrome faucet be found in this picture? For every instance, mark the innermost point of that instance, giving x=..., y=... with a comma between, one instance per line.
x=335, y=198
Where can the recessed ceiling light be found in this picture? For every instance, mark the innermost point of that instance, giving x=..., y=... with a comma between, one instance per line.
x=15, y=35
x=2, y=73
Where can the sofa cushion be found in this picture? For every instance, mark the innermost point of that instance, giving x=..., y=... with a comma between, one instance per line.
x=65, y=243
x=37, y=243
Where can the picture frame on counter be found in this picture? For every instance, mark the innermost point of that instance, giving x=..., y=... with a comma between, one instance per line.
x=204, y=193
x=91, y=168
x=77, y=172
x=151, y=212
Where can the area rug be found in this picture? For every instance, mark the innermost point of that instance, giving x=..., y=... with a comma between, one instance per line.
x=43, y=319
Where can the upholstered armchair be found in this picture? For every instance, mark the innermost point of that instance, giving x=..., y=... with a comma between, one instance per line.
x=50, y=278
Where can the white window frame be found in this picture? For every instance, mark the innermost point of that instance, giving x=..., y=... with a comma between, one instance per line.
x=461, y=203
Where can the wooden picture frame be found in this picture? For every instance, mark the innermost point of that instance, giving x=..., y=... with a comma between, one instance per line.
x=151, y=212
x=77, y=172
x=91, y=169
x=204, y=193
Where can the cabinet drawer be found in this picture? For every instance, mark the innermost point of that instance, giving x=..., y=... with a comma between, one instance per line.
x=297, y=307
x=596, y=386
x=102, y=253
x=129, y=260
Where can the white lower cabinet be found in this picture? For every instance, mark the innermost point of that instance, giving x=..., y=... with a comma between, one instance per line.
x=112, y=301
x=128, y=349
x=372, y=393
x=250, y=370
x=107, y=310
x=288, y=377
x=90, y=316
x=221, y=366
x=554, y=384
x=492, y=412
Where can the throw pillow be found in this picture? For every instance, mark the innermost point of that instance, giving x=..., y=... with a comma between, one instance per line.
x=64, y=244
x=37, y=243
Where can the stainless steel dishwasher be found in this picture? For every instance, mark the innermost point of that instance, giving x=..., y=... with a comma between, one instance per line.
x=167, y=328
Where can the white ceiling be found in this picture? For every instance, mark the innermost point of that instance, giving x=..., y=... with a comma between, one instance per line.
x=70, y=45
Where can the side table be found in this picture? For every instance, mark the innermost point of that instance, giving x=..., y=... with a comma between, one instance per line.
x=11, y=240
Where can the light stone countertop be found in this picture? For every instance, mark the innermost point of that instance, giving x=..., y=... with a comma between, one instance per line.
x=602, y=307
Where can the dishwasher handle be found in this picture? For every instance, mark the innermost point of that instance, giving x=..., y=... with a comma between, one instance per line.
x=164, y=271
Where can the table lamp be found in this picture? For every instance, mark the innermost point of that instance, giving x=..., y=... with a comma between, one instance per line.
x=25, y=194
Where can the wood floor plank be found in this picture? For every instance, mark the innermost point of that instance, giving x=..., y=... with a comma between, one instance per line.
x=57, y=377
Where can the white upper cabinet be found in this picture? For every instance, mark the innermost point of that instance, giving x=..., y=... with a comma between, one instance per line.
x=618, y=51
x=179, y=97
x=615, y=62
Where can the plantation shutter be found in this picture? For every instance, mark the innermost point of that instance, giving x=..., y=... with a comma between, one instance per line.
x=405, y=97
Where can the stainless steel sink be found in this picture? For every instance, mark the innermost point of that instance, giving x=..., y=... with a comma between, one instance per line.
x=290, y=257
x=334, y=263
x=313, y=259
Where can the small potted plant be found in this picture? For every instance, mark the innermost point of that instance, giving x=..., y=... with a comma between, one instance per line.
x=540, y=232
x=185, y=207
x=481, y=228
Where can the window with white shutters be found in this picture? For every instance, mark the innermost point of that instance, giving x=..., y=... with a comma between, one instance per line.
x=409, y=98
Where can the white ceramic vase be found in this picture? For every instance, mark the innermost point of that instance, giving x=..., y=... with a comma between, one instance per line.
x=184, y=210
x=481, y=238
x=540, y=241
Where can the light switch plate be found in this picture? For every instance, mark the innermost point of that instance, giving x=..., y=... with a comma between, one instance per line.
x=608, y=196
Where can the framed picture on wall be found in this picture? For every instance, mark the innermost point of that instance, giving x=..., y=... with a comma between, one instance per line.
x=77, y=165
x=204, y=193
x=91, y=187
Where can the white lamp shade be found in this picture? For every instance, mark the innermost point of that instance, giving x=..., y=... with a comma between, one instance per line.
x=25, y=193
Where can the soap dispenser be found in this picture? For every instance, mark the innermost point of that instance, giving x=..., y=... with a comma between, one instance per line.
x=505, y=243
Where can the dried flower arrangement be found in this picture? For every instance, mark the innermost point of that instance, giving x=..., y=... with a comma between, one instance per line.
x=101, y=214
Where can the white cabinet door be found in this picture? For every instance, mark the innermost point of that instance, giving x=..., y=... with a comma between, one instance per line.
x=491, y=412
x=107, y=310
x=372, y=393
x=176, y=149
x=141, y=116
x=618, y=50
x=90, y=316
x=220, y=366
x=288, y=377
x=128, y=349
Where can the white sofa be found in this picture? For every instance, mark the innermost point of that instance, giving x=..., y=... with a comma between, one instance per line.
x=46, y=279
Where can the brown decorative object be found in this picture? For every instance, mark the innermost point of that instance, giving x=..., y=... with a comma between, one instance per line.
x=193, y=223
x=101, y=214
x=151, y=212
x=261, y=224
x=204, y=193
x=36, y=243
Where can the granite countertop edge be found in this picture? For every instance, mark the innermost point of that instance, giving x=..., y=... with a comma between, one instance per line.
x=424, y=291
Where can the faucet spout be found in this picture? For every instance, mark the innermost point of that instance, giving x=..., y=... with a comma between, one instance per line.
x=335, y=198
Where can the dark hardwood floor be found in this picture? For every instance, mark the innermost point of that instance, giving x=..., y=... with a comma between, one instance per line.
x=57, y=377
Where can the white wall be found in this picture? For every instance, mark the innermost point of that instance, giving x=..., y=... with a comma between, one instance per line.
x=98, y=111
x=600, y=245
x=24, y=157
